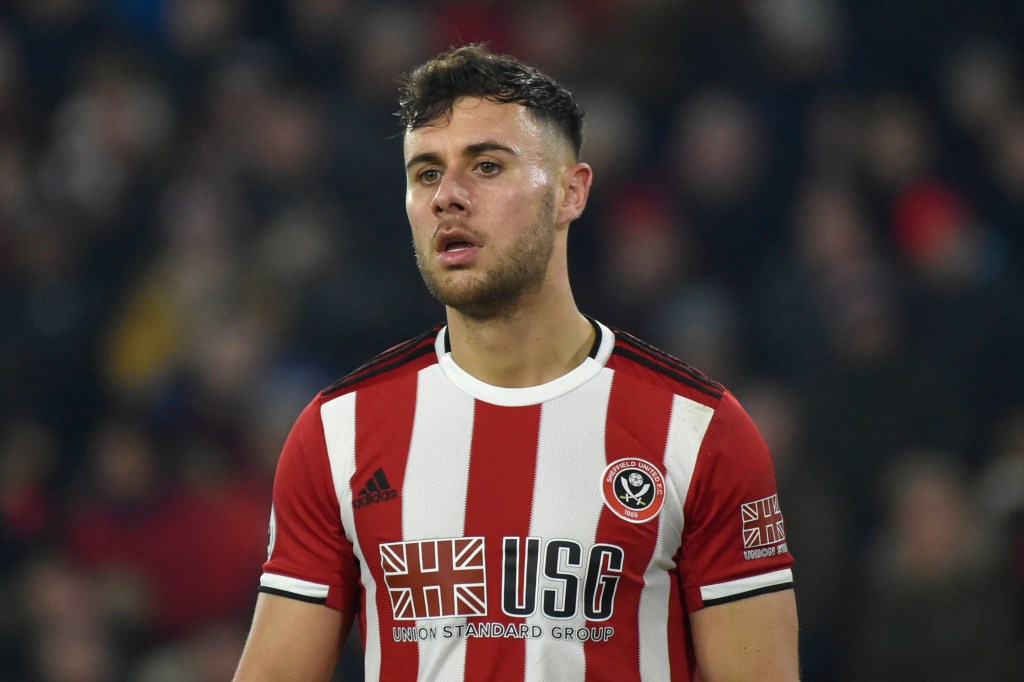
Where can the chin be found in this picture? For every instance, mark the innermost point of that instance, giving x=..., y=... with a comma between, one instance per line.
x=472, y=299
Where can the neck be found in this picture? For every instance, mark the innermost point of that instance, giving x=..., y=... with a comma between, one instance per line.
x=529, y=346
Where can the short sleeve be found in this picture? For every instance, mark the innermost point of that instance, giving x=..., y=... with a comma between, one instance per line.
x=309, y=557
x=734, y=537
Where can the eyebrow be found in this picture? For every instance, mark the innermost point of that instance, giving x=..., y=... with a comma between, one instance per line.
x=470, y=151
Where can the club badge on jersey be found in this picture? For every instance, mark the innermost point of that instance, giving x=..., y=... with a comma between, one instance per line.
x=634, y=489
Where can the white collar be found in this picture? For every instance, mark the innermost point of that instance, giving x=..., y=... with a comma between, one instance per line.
x=531, y=395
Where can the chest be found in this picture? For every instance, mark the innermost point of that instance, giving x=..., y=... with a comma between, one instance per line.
x=529, y=505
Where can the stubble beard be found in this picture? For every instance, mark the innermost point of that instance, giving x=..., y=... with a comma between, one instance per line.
x=502, y=289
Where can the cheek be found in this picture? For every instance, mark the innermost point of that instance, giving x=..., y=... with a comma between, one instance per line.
x=421, y=234
x=411, y=204
x=515, y=203
x=418, y=212
x=538, y=177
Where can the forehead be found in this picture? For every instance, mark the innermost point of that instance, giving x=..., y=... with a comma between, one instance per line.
x=473, y=120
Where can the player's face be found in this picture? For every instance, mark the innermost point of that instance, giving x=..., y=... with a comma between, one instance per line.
x=481, y=202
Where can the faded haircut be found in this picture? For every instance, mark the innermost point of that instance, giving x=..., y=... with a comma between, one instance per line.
x=429, y=91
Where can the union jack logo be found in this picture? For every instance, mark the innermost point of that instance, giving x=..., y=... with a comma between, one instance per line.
x=762, y=522
x=435, y=578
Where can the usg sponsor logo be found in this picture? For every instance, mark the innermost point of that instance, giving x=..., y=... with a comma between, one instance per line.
x=557, y=579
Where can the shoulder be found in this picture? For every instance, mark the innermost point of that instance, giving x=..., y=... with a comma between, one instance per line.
x=656, y=367
x=405, y=357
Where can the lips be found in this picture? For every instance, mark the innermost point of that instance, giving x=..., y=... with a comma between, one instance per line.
x=456, y=247
x=454, y=240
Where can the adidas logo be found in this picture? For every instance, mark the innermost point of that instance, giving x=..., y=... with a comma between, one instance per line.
x=377, y=489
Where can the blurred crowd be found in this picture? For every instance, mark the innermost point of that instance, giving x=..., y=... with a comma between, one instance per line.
x=819, y=203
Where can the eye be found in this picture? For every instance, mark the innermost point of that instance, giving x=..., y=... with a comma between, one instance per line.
x=488, y=167
x=429, y=175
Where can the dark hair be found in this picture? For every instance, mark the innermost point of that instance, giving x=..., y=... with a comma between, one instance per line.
x=429, y=91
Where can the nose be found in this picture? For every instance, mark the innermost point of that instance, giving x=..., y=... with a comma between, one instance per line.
x=451, y=196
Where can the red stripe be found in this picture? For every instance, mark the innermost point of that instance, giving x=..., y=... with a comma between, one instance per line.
x=501, y=475
x=392, y=403
x=637, y=426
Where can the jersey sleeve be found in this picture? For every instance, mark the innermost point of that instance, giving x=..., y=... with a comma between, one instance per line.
x=309, y=557
x=734, y=539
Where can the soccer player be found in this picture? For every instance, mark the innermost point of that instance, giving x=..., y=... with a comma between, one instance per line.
x=523, y=493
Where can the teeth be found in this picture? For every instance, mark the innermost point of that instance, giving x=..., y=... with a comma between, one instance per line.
x=457, y=246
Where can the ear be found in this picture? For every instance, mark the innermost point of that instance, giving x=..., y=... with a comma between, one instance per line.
x=576, y=181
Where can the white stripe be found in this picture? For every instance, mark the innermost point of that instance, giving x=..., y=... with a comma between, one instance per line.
x=733, y=588
x=688, y=423
x=567, y=503
x=294, y=586
x=435, y=491
x=339, y=421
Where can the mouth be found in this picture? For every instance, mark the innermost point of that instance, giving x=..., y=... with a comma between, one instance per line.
x=456, y=247
x=450, y=241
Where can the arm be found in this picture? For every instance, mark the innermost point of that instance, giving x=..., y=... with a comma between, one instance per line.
x=740, y=631
x=292, y=640
x=748, y=639
x=309, y=586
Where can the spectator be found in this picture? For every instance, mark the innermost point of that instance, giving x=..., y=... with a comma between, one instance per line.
x=936, y=605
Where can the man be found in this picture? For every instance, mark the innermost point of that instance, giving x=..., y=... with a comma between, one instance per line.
x=523, y=493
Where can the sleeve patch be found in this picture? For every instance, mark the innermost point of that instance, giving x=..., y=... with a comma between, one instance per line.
x=762, y=524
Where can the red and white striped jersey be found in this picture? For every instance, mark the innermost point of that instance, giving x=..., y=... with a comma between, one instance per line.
x=562, y=531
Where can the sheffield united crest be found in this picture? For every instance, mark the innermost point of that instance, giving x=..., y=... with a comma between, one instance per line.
x=634, y=489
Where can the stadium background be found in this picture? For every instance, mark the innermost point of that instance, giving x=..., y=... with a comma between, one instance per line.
x=819, y=203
